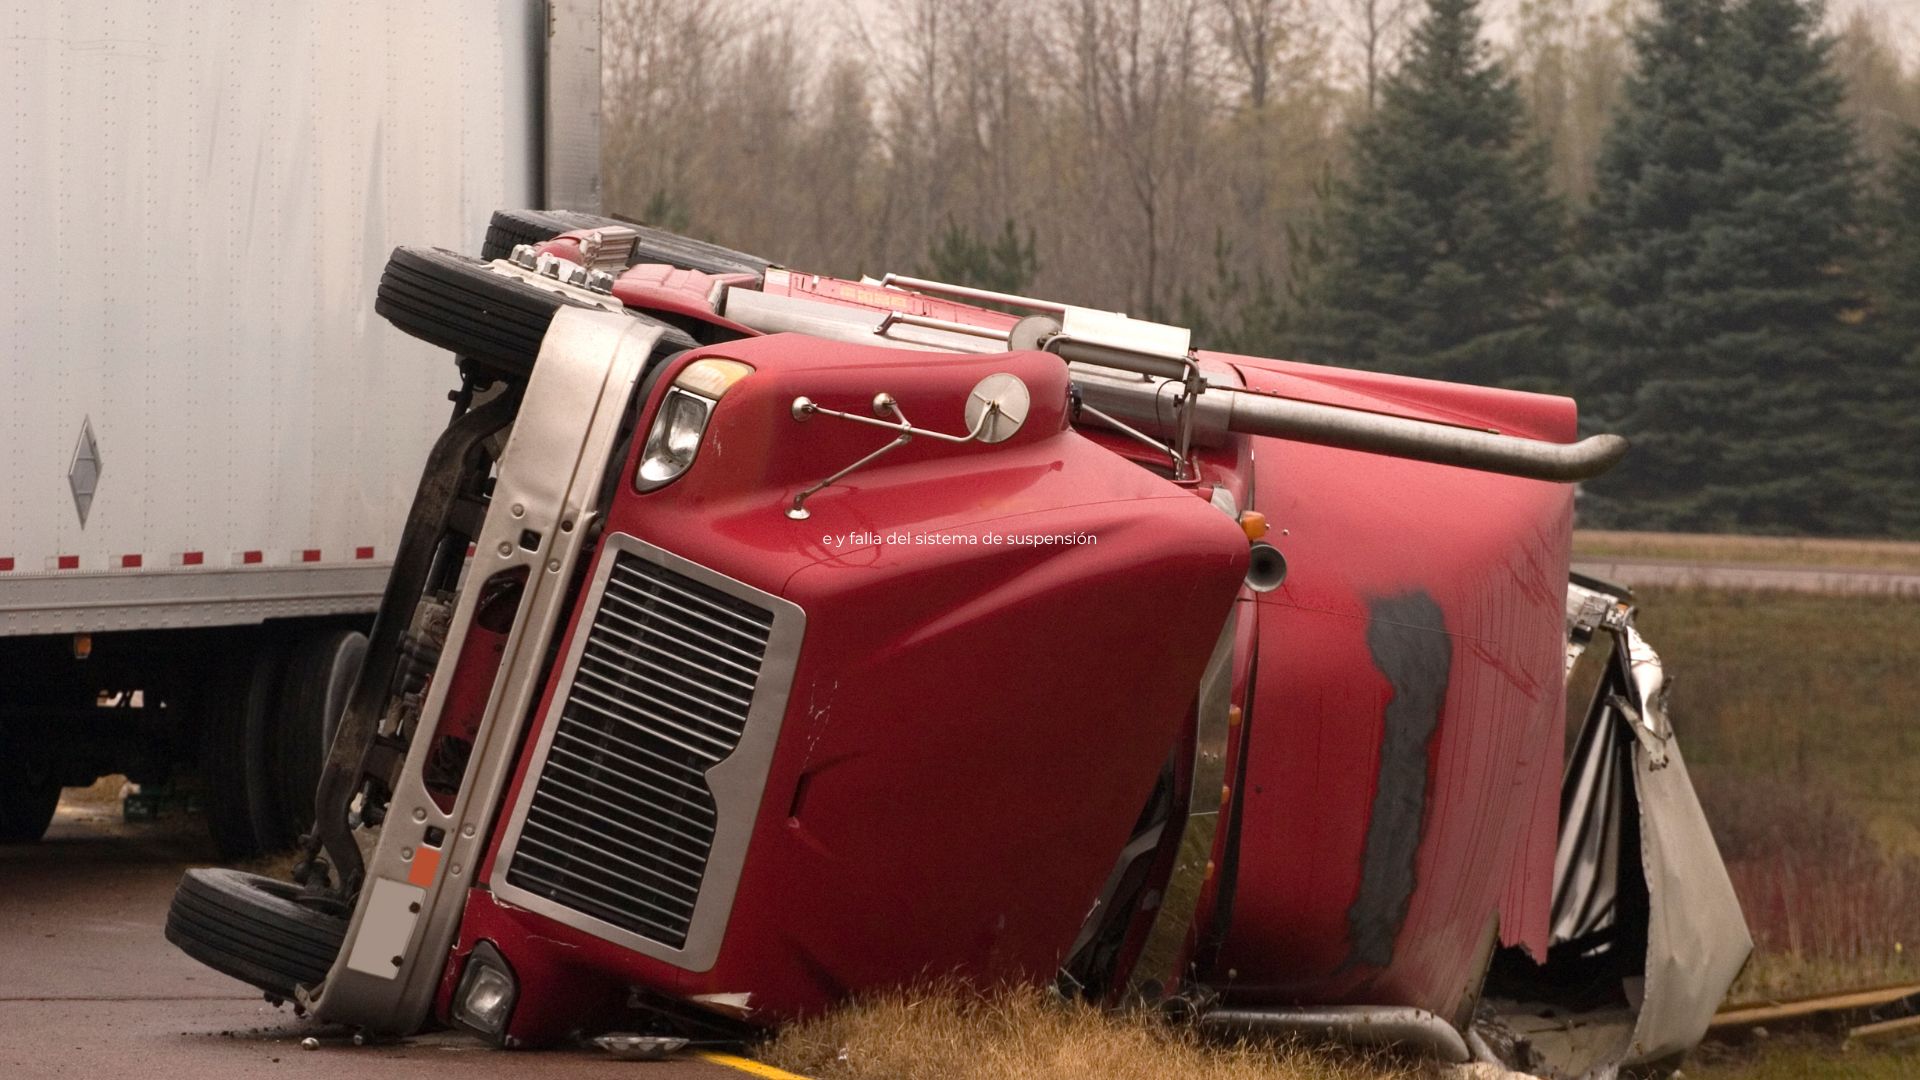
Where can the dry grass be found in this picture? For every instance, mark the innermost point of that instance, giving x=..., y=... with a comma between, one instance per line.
x=1029, y=1034
x=104, y=794
x=278, y=864
x=1800, y=715
x=1829, y=908
x=1758, y=550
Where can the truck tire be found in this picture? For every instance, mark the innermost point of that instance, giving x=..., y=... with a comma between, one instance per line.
x=320, y=670
x=254, y=928
x=510, y=228
x=458, y=304
x=29, y=792
x=233, y=764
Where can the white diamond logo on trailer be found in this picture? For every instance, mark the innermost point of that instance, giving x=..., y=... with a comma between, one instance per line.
x=83, y=476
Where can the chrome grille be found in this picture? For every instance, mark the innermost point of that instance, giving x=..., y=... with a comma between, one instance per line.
x=622, y=820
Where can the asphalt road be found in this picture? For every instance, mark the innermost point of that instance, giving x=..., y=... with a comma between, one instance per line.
x=1666, y=573
x=90, y=988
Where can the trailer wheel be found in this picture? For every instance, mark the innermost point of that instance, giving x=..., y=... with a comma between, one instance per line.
x=460, y=305
x=233, y=739
x=29, y=792
x=254, y=928
x=510, y=228
x=312, y=694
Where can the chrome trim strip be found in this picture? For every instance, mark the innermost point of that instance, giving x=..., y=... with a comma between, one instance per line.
x=736, y=781
x=1163, y=956
x=548, y=481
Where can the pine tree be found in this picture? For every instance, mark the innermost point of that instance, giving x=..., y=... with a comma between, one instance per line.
x=1658, y=173
x=1234, y=313
x=1441, y=253
x=1722, y=330
x=1893, y=461
x=1007, y=263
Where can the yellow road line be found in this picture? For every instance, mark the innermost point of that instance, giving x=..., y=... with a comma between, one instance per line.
x=746, y=1065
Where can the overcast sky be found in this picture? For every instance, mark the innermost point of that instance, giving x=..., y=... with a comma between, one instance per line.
x=1902, y=16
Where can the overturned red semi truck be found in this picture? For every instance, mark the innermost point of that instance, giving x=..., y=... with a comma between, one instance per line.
x=759, y=639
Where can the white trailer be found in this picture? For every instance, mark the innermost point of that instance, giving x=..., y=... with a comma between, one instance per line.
x=210, y=439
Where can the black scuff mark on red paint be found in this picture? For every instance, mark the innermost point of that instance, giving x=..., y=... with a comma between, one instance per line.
x=1407, y=636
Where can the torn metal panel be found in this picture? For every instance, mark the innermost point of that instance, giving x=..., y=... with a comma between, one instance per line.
x=1643, y=948
x=1593, y=819
x=1697, y=938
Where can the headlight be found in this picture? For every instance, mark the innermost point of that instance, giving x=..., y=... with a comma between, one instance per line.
x=487, y=991
x=682, y=420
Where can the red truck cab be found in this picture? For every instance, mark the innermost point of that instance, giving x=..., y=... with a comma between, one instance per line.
x=762, y=639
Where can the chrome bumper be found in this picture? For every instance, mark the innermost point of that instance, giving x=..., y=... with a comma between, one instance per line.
x=545, y=492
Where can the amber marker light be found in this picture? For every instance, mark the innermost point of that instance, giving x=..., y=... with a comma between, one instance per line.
x=711, y=377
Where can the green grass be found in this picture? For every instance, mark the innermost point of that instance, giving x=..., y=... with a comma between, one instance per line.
x=1805, y=1060
x=1819, y=693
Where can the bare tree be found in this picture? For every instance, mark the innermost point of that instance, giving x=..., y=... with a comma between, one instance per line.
x=1882, y=99
x=1377, y=29
x=1143, y=107
x=1094, y=126
x=662, y=60
x=1252, y=32
x=1571, y=57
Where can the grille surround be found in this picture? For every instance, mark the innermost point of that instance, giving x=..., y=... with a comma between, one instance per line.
x=633, y=820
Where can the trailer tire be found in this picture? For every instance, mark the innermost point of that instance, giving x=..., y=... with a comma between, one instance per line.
x=254, y=928
x=321, y=667
x=233, y=764
x=510, y=228
x=29, y=792
x=458, y=304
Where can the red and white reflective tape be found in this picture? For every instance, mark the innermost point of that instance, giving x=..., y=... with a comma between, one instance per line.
x=138, y=561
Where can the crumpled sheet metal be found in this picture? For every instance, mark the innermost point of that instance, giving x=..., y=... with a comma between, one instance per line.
x=1697, y=938
x=1648, y=705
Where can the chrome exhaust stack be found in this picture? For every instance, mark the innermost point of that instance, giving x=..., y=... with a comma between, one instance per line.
x=1155, y=405
x=1163, y=395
